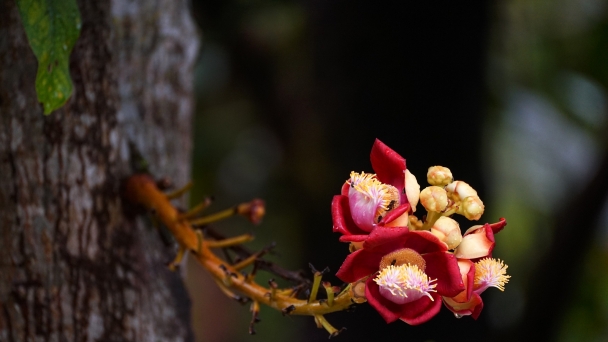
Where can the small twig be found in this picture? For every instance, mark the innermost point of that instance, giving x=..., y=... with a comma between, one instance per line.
x=268, y=266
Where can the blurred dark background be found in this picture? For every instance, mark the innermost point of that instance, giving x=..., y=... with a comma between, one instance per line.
x=511, y=96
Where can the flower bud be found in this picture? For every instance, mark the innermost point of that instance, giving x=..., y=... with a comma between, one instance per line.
x=412, y=189
x=439, y=175
x=254, y=211
x=472, y=208
x=460, y=190
x=434, y=198
x=357, y=291
x=448, y=231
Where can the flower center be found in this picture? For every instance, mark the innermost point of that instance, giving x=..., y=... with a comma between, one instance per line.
x=369, y=199
x=404, y=283
x=403, y=256
x=490, y=272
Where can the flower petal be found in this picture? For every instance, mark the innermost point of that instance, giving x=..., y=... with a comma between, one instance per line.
x=394, y=215
x=389, y=310
x=424, y=242
x=472, y=307
x=388, y=165
x=444, y=267
x=477, y=309
x=353, y=238
x=467, y=272
x=359, y=264
x=342, y=218
x=345, y=188
x=421, y=310
x=476, y=244
x=470, y=280
x=498, y=226
x=386, y=239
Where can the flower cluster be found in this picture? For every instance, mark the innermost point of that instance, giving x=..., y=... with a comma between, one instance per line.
x=406, y=267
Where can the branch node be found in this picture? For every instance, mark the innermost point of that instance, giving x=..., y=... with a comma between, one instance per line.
x=288, y=310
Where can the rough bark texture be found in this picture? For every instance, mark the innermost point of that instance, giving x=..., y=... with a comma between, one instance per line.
x=72, y=266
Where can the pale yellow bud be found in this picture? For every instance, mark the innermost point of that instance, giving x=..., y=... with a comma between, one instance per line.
x=357, y=291
x=439, y=175
x=460, y=190
x=434, y=198
x=412, y=189
x=448, y=231
x=472, y=208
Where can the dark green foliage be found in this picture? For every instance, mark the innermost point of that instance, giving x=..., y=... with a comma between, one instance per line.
x=52, y=28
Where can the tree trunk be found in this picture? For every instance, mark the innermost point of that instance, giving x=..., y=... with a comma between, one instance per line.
x=72, y=266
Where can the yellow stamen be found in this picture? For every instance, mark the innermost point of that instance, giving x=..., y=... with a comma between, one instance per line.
x=401, y=280
x=491, y=272
x=367, y=184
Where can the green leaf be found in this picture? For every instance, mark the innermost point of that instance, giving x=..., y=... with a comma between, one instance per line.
x=52, y=28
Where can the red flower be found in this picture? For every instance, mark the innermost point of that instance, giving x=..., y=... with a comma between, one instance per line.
x=466, y=302
x=477, y=245
x=368, y=200
x=408, y=273
x=477, y=278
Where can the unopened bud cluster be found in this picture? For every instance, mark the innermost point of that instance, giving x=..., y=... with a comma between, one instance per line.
x=466, y=199
x=446, y=197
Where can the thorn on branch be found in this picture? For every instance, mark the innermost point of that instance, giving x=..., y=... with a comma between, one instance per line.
x=315, y=285
x=314, y=270
x=229, y=242
x=190, y=214
x=179, y=192
x=255, y=311
x=288, y=310
x=242, y=300
x=323, y=323
x=330, y=293
x=229, y=275
x=336, y=333
x=297, y=289
x=273, y=289
x=175, y=263
x=298, y=277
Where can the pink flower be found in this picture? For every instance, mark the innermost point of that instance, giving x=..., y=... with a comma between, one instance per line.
x=407, y=272
x=368, y=200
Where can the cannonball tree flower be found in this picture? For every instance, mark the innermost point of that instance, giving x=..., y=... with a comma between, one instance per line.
x=407, y=273
x=477, y=245
x=477, y=277
x=366, y=199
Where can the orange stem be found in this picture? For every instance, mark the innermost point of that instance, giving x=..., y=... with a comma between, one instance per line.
x=141, y=189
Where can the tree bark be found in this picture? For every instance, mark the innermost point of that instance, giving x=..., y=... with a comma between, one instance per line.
x=73, y=267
